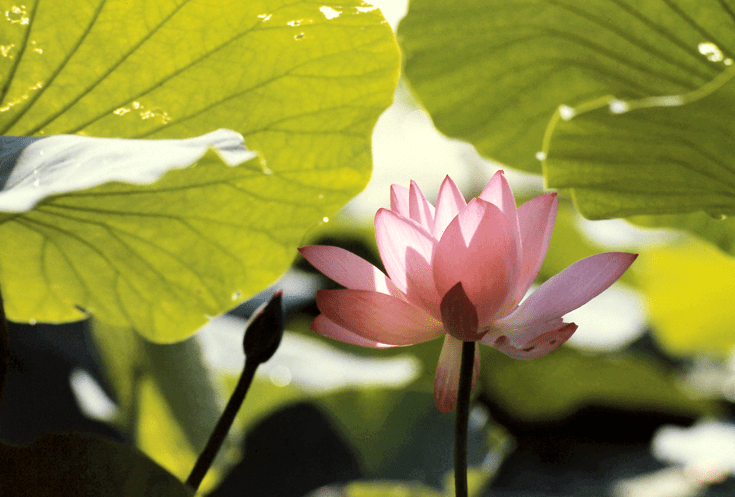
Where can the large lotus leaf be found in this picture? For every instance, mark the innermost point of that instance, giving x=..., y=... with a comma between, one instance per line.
x=493, y=71
x=83, y=465
x=689, y=295
x=663, y=155
x=304, y=84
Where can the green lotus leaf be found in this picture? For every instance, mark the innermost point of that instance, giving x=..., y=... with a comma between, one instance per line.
x=302, y=82
x=493, y=72
x=658, y=155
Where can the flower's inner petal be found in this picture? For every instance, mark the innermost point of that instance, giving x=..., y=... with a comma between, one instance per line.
x=570, y=289
x=498, y=192
x=419, y=208
x=448, y=204
x=328, y=328
x=539, y=347
x=478, y=250
x=537, y=217
x=378, y=317
x=407, y=250
x=446, y=381
x=399, y=200
x=347, y=269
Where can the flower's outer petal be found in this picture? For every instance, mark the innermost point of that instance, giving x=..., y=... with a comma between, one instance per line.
x=347, y=269
x=448, y=204
x=477, y=249
x=537, y=217
x=407, y=250
x=399, y=200
x=419, y=208
x=568, y=290
x=446, y=381
x=459, y=314
x=498, y=192
x=378, y=317
x=328, y=328
x=538, y=347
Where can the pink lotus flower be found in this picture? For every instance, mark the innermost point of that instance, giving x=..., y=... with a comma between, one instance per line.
x=459, y=271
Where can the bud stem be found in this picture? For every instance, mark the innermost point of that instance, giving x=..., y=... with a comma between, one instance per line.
x=223, y=426
x=462, y=419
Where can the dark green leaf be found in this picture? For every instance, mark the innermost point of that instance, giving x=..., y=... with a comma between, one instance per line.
x=82, y=465
x=666, y=155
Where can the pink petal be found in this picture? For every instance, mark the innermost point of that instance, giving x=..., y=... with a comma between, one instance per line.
x=537, y=217
x=498, y=192
x=448, y=204
x=347, y=269
x=378, y=317
x=538, y=347
x=399, y=200
x=519, y=337
x=406, y=250
x=419, y=208
x=324, y=326
x=478, y=250
x=446, y=382
x=568, y=290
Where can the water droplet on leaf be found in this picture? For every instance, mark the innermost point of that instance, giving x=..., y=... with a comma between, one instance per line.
x=711, y=51
x=17, y=15
x=329, y=12
x=619, y=107
x=566, y=112
x=540, y=156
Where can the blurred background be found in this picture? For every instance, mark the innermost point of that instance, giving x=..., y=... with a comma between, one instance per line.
x=638, y=403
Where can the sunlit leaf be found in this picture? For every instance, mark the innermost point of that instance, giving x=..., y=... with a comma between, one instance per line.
x=689, y=295
x=304, y=84
x=494, y=71
x=667, y=155
x=159, y=435
x=83, y=465
x=167, y=397
x=556, y=386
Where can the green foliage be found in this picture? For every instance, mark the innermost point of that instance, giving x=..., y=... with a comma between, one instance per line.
x=502, y=74
x=494, y=71
x=82, y=465
x=164, y=396
x=669, y=155
x=302, y=84
x=556, y=386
